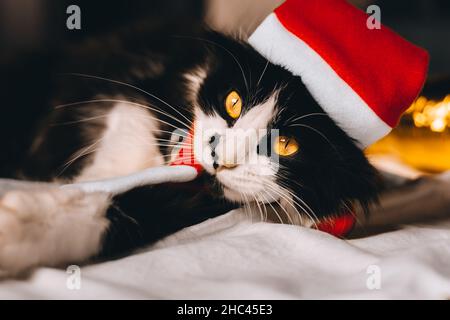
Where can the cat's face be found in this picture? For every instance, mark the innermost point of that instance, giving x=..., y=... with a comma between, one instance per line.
x=263, y=137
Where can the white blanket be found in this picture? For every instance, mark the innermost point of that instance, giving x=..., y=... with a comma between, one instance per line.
x=230, y=257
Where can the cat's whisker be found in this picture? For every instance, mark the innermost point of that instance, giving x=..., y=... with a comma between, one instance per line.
x=266, y=212
x=249, y=207
x=353, y=213
x=283, y=176
x=146, y=116
x=135, y=104
x=72, y=161
x=106, y=115
x=79, y=154
x=133, y=87
x=279, y=203
x=262, y=74
x=187, y=125
x=280, y=111
x=286, y=187
x=259, y=208
x=255, y=200
x=284, y=197
x=170, y=132
x=304, y=206
x=288, y=120
x=245, y=205
x=315, y=114
x=304, y=210
x=159, y=145
x=86, y=151
x=176, y=143
x=78, y=121
x=319, y=133
x=257, y=204
x=274, y=210
x=181, y=160
x=269, y=203
x=311, y=128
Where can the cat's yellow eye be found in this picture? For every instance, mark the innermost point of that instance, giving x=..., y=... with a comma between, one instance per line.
x=285, y=146
x=233, y=104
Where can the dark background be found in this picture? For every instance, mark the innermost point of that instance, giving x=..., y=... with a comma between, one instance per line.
x=427, y=24
x=32, y=35
x=424, y=22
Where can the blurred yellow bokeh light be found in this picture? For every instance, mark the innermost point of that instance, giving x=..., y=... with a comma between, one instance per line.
x=422, y=139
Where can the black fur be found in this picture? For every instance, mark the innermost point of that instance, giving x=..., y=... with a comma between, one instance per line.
x=167, y=209
x=330, y=172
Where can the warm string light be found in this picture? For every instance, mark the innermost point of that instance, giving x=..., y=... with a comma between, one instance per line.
x=431, y=114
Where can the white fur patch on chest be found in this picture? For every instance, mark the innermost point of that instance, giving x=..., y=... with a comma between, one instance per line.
x=127, y=145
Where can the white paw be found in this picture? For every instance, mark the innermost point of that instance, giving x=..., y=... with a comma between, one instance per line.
x=49, y=227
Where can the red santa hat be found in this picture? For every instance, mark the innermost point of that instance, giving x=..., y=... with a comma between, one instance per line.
x=363, y=78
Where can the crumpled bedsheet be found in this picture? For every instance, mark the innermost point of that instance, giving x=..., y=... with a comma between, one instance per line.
x=231, y=257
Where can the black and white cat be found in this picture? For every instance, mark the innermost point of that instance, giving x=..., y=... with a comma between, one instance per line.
x=115, y=106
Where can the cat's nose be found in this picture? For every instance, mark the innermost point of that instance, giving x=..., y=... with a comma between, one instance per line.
x=226, y=164
x=224, y=161
x=219, y=167
x=229, y=165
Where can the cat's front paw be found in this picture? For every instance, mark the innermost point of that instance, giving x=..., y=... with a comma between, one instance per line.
x=49, y=227
x=18, y=228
